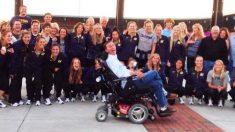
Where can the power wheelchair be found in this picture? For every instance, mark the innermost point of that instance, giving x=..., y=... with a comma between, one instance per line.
x=125, y=100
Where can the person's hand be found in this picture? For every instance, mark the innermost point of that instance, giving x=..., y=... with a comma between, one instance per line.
x=139, y=74
x=80, y=82
x=11, y=50
x=168, y=64
x=219, y=88
x=57, y=69
x=3, y=50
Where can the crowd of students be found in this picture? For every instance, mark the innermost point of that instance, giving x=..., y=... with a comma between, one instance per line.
x=53, y=59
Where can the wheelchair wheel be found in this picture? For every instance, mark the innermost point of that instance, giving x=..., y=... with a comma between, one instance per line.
x=138, y=113
x=101, y=115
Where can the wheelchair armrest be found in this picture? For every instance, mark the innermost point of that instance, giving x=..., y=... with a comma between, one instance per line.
x=122, y=79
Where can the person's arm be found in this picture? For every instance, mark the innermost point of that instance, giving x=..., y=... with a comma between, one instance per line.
x=209, y=80
x=153, y=48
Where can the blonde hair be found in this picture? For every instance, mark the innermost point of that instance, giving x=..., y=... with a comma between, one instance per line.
x=180, y=38
x=148, y=21
x=200, y=29
x=157, y=25
x=183, y=27
x=97, y=38
x=55, y=25
x=222, y=73
x=150, y=62
x=90, y=20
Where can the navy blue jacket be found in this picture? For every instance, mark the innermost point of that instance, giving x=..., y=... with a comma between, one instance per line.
x=93, y=50
x=5, y=60
x=33, y=39
x=177, y=52
x=78, y=47
x=128, y=46
x=163, y=48
x=48, y=46
x=34, y=62
x=21, y=52
x=60, y=62
x=176, y=78
x=196, y=80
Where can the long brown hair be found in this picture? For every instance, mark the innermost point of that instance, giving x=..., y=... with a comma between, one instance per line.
x=150, y=62
x=72, y=78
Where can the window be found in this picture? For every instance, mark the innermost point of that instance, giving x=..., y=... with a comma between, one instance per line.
x=84, y=8
x=7, y=9
x=229, y=7
x=159, y=9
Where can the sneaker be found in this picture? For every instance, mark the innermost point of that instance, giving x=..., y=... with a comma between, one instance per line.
x=2, y=105
x=199, y=101
x=73, y=100
x=15, y=104
x=37, y=103
x=60, y=101
x=28, y=102
x=191, y=101
x=48, y=101
x=181, y=100
x=220, y=103
x=83, y=99
x=94, y=99
x=210, y=102
x=21, y=102
x=67, y=100
x=103, y=99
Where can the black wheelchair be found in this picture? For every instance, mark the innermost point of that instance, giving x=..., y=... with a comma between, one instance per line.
x=125, y=100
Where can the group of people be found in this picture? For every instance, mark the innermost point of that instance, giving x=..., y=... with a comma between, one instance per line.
x=53, y=59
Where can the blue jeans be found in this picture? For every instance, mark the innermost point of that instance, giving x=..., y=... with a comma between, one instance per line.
x=153, y=80
x=208, y=65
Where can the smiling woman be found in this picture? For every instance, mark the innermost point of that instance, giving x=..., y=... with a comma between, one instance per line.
x=7, y=9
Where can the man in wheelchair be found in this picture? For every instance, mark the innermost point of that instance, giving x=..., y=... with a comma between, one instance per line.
x=140, y=80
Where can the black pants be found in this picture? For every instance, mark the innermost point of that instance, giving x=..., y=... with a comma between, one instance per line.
x=15, y=88
x=232, y=93
x=215, y=95
x=177, y=90
x=197, y=92
x=55, y=78
x=4, y=81
x=76, y=89
x=100, y=86
x=33, y=85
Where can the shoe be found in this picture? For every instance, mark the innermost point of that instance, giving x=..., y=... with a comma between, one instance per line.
x=191, y=101
x=83, y=99
x=28, y=102
x=2, y=105
x=166, y=112
x=37, y=103
x=15, y=104
x=181, y=100
x=210, y=102
x=48, y=101
x=103, y=99
x=73, y=100
x=60, y=101
x=21, y=102
x=94, y=99
x=67, y=100
x=220, y=103
x=199, y=101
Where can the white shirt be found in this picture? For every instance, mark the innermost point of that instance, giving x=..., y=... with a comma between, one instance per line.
x=117, y=67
